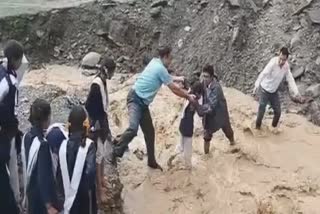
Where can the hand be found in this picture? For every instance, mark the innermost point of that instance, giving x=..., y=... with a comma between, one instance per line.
x=51, y=210
x=192, y=98
x=254, y=92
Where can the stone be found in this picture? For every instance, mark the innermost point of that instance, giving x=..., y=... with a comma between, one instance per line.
x=155, y=12
x=318, y=60
x=314, y=16
x=102, y=33
x=298, y=72
x=313, y=90
x=204, y=3
x=159, y=3
x=234, y=3
x=91, y=59
x=89, y=72
x=40, y=33
x=187, y=28
x=180, y=43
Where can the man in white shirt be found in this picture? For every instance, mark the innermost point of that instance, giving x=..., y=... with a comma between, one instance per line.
x=269, y=80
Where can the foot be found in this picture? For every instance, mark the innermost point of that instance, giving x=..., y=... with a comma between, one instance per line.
x=275, y=130
x=179, y=149
x=206, y=147
x=232, y=143
x=155, y=165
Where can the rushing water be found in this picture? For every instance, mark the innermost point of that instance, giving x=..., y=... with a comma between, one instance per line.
x=14, y=7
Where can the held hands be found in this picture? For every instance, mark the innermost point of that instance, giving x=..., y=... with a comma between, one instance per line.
x=192, y=98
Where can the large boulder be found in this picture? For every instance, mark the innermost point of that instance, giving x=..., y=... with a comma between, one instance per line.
x=91, y=59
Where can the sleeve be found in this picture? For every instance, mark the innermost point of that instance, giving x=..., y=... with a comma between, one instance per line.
x=292, y=84
x=164, y=76
x=264, y=73
x=90, y=170
x=45, y=176
x=4, y=88
x=94, y=104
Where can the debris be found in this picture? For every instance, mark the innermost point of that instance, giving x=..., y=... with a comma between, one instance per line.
x=253, y=6
x=313, y=90
x=161, y=3
x=265, y=3
x=296, y=40
x=298, y=72
x=109, y=4
x=40, y=33
x=155, y=12
x=234, y=3
x=235, y=35
x=102, y=33
x=204, y=3
x=301, y=9
x=180, y=43
x=91, y=59
x=314, y=16
x=139, y=154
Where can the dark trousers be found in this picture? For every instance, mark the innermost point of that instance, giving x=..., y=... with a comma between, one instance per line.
x=139, y=115
x=273, y=99
x=227, y=130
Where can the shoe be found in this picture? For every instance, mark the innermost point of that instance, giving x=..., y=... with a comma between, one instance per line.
x=179, y=149
x=275, y=130
x=118, y=151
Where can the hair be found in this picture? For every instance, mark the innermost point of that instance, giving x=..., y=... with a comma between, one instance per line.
x=76, y=119
x=13, y=50
x=146, y=59
x=197, y=88
x=40, y=112
x=164, y=51
x=106, y=63
x=284, y=51
x=208, y=69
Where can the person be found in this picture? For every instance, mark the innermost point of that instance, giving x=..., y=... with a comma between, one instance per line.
x=97, y=105
x=269, y=81
x=9, y=183
x=77, y=158
x=214, y=108
x=154, y=75
x=186, y=125
x=39, y=179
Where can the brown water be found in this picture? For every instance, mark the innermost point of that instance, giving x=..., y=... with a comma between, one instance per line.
x=270, y=174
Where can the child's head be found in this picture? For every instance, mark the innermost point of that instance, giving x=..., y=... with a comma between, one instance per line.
x=107, y=68
x=40, y=114
x=78, y=122
x=13, y=51
x=197, y=89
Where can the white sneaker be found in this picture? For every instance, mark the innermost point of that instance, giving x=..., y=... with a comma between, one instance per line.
x=179, y=149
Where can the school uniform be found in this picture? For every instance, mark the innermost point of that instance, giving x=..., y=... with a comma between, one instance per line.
x=186, y=130
x=9, y=185
x=97, y=105
x=78, y=171
x=38, y=170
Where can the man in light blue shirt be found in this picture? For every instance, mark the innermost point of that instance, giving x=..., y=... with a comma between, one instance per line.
x=141, y=96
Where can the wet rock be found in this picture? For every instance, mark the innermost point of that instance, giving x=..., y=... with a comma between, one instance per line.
x=155, y=12
x=91, y=59
x=314, y=16
x=313, y=90
x=298, y=72
x=161, y=3
x=318, y=60
x=234, y=3
x=295, y=41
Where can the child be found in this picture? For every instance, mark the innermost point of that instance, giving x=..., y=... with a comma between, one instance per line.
x=37, y=162
x=77, y=160
x=186, y=125
x=97, y=105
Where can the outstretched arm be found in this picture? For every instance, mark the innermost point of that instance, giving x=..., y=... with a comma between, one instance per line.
x=292, y=84
x=181, y=92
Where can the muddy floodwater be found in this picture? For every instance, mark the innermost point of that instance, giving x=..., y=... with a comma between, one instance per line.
x=269, y=173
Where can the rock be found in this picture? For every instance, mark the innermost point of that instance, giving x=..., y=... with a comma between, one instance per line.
x=155, y=12
x=234, y=3
x=302, y=88
x=204, y=3
x=139, y=154
x=235, y=35
x=313, y=90
x=161, y=3
x=91, y=59
x=121, y=59
x=187, y=28
x=318, y=60
x=180, y=43
x=40, y=33
x=102, y=33
x=295, y=41
x=298, y=72
x=314, y=16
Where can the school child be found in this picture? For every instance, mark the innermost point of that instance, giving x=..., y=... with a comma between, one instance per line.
x=39, y=179
x=9, y=185
x=187, y=125
x=77, y=160
x=97, y=105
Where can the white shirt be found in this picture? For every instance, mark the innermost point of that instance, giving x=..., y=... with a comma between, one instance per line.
x=272, y=75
